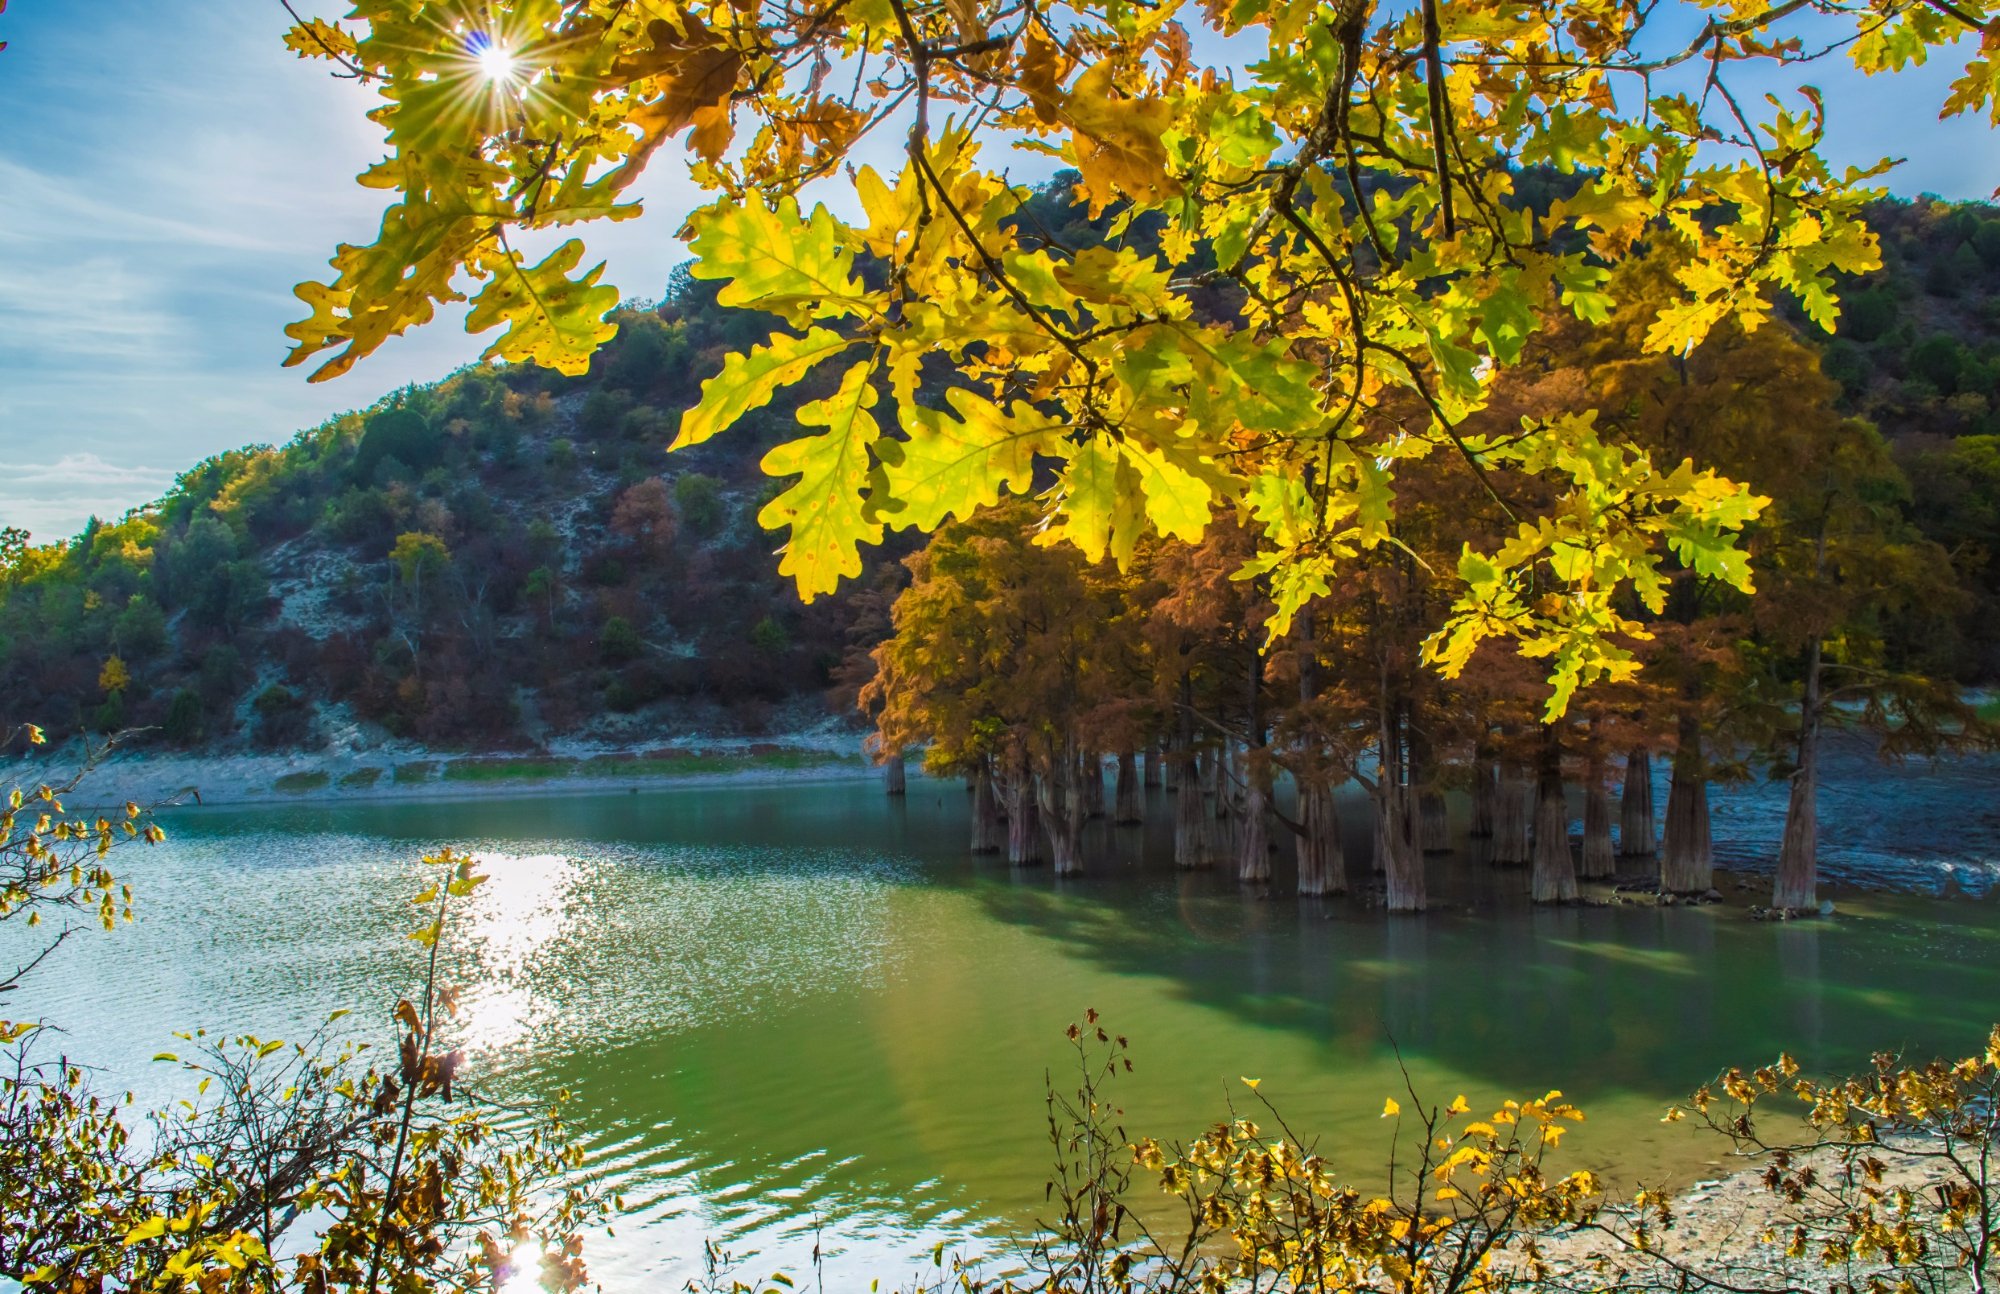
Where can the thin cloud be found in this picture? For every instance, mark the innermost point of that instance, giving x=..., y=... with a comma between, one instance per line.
x=52, y=500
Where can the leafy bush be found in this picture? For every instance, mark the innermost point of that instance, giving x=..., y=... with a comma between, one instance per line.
x=769, y=637
x=618, y=641
x=283, y=717
x=698, y=500
x=401, y=434
x=183, y=724
x=1939, y=360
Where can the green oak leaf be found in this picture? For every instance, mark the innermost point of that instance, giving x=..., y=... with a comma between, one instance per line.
x=750, y=378
x=826, y=508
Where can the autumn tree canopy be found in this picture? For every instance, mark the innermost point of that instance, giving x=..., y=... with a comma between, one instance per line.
x=1324, y=251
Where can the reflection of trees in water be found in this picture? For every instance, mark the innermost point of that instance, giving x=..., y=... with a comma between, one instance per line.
x=1642, y=999
x=1799, y=966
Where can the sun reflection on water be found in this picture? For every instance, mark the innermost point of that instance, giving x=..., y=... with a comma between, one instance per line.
x=513, y=921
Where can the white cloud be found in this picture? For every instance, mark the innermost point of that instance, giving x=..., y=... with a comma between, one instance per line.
x=55, y=499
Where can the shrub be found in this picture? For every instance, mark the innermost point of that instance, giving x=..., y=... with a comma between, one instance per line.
x=698, y=500
x=621, y=696
x=618, y=641
x=183, y=724
x=1938, y=360
x=401, y=434
x=769, y=637
x=221, y=676
x=283, y=717
x=1869, y=314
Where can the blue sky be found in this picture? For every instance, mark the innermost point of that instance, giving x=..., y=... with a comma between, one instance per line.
x=169, y=170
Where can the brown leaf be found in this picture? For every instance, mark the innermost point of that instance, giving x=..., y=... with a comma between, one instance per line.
x=687, y=80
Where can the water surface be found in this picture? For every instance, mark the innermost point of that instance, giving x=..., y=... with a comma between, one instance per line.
x=790, y=1008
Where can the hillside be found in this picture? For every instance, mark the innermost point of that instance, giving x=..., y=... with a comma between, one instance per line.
x=490, y=562
x=1918, y=354
x=509, y=558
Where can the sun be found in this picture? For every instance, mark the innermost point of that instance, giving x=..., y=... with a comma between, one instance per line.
x=522, y=1272
x=496, y=61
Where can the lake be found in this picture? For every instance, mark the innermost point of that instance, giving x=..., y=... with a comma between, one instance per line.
x=795, y=1008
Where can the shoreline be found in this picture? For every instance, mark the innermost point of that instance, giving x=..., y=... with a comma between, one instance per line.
x=175, y=783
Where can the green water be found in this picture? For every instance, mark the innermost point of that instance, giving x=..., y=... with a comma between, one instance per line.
x=789, y=1007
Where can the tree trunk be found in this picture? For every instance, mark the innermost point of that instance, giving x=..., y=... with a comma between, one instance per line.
x=1510, y=820
x=988, y=831
x=1396, y=852
x=1434, y=825
x=1064, y=806
x=1090, y=784
x=1554, y=876
x=1635, y=807
x=1222, y=837
x=1687, y=852
x=1402, y=862
x=1153, y=769
x=1184, y=777
x=1322, y=860
x=1190, y=814
x=1599, y=862
x=1481, y=827
x=1024, y=830
x=894, y=774
x=1253, y=839
x=1796, y=888
x=1128, y=805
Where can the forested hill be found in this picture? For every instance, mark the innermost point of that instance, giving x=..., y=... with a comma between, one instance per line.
x=510, y=556
x=489, y=562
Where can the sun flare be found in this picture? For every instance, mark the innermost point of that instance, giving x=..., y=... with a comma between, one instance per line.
x=522, y=1274
x=496, y=61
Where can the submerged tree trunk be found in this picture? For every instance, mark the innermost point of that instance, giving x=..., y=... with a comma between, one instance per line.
x=1510, y=820
x=1322, y=860
x=1024, y=833
x=1253, y=837
x=1687, y=852
x=1481, y=826
x=988, y=829
x=1190, y=814
x=1090, y=784
x=1636, y=832
x=1554, y=876
x=1433, y=834
x=1796, y=888
x=1024, y=829
x=1064, y=805
x=1402, y=861
x=1222, y=836
x=1153, y=766
x=1599, y=863
x=895, y=773
x=1184, y=776
x=1434, y=825
x=1127, y=807
x=1396, y=851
